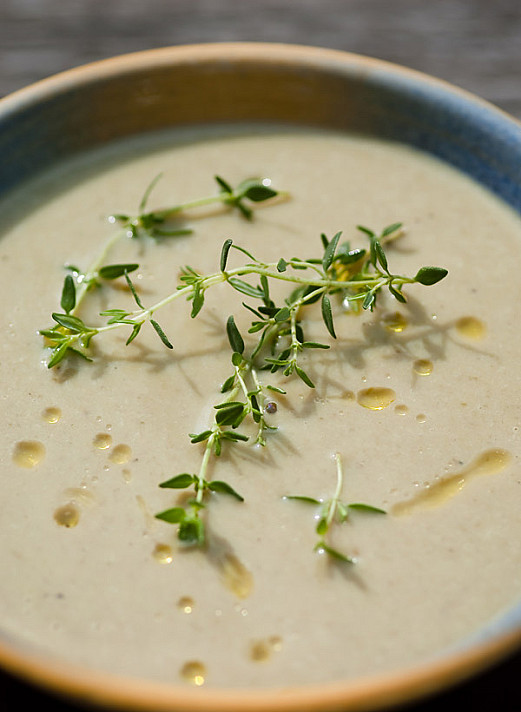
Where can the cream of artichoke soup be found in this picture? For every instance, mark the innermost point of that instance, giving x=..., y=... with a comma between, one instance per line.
x=342, y=504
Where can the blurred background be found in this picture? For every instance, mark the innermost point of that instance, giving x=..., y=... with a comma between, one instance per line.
x=475, y=44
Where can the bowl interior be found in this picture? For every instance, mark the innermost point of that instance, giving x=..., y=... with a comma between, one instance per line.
x=186, y=86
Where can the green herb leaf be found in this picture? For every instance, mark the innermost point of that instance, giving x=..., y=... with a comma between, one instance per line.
x=200, y=437
x=175, y=515
x=304, y=377
x=224, y=253
x=228, y=384
x=191, y=531
x=159, y=331
x=369, y=300
x=241, y=286
x=197, y=301
x=322, y=526
x=333, y=553
x=58, y=354
x=430, y=275
x=68, y=298
x=394, y=227
x=276, y=389
x=327, y=315
x=258, y=192
x=234, y=336
x=361, y=507
x=72, y=323
x=230, y=415
x=234, y=435
x=223, y=185
x=282, y=314
x=224, y=488
x=179, y=481
x=303, y=498
x=397, y=294
x=380, y=255
x=329, y=252
x=314, y=345
x=115, y=271
x=135, y=331
x=133, y=290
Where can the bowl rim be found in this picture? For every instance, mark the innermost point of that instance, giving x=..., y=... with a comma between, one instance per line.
x=373, y=692
x=361, y=694
x=267, y=52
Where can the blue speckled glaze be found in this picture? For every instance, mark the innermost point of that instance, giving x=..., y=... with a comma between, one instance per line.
x=454, y=126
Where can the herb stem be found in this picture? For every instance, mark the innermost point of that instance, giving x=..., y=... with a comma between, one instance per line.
x=201, y=477
x=338, y=490
x=267, y=270
x=85, y=280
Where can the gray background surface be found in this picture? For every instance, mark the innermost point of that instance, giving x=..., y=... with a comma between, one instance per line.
x=475, y=44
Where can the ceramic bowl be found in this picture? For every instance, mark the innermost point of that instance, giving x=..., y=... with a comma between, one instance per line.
x=126, y=96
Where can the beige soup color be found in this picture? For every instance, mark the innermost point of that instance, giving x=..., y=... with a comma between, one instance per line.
x=417, y=399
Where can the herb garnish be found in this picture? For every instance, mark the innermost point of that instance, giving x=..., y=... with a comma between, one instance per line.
x=71, y=335
x=353, y=276
x=333, y=511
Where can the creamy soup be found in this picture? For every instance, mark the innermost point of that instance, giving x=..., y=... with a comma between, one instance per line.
x=416, y=404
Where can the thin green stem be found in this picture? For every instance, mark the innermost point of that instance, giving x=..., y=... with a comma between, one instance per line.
x=259, y=440
x=85, y=280
x=333, y=502
x=267, y=270
x=226, y=199
x=201, y=477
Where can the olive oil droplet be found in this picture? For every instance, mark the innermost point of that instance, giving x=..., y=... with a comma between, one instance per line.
x=194, y=672
x=102, y=441
x=471, y=328
x=423, y=367
x=120, y=455
x=67, y=515
x=262, y=650
x=51, y=415
x=401, y=409
x=163, y=553
x=376, y=398
x=28, y=453
x=490, y=462
x=394, y=322
x=186, y=604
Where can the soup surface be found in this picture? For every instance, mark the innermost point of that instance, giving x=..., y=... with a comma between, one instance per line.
x=418, y=401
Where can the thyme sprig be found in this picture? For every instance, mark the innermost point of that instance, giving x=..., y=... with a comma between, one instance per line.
x=333, y=511
x=245, y=394
x=70, y=335
x=313, y=280
x=153, y=223
x=243, y=399
x=353, y=276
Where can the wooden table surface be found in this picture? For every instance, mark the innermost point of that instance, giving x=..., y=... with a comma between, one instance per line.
x=475, y=44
